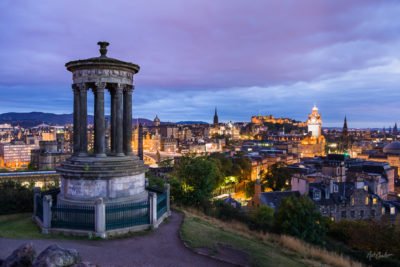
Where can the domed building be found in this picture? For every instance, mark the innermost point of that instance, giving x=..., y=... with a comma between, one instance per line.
x=392, y=148
x=156, y=121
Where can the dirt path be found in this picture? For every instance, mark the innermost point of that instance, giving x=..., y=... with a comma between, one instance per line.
x=161, y=247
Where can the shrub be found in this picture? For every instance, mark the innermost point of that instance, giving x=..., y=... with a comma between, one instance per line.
x=15, y=198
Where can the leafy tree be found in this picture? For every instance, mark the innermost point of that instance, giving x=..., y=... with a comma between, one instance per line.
x=249, y=189
x=241, y=166
x=278, y=177
x=299, y=217
x=227, y=212
x=166, y=163
x=195, y=180
x=224, y=163
x=262, y=218
x=15, y=198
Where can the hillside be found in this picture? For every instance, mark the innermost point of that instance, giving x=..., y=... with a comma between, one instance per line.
x=235, y=243
x=31, y=119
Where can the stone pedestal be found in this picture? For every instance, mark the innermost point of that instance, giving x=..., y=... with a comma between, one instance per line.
x=114, y=179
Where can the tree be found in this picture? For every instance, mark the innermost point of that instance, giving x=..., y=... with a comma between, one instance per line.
x=299, y=217
x=195, y=180
x=262, y=218
x=241, y=166
x=278, y=177
x=249, y=189
x=224, y=163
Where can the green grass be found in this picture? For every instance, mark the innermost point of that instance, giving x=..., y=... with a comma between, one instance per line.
x=198, y=233
x=19, y=226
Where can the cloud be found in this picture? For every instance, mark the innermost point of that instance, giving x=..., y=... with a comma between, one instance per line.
x=245, y=57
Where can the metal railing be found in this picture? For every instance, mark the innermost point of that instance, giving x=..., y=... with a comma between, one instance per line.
x=39, y=207
x=161, y=204
x=73, y=217
x=53, y=193
x=127, y=215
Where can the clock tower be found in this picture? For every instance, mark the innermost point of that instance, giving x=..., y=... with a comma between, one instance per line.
x=314, y=123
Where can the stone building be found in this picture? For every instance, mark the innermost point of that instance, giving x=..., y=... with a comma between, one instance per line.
x=345, y=201
x=49, y=155
x=15, y=155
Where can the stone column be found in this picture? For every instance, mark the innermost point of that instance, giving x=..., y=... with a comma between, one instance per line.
x=47, y=203
x=99, y=131
x=113, y=123
x=167, y=189
x=36, y=192
x=153, y=209
x=76, y=138
x=119, y=148
x=100, y=218
x=127, y=121
x=83, y=119
x=140, y=141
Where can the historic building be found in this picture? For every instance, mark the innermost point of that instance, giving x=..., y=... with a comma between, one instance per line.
x=215, y=120
x=49, y=155
x=314, y=143
x=104, y=189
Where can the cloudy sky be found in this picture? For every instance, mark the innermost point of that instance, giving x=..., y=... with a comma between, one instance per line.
x=245, y=57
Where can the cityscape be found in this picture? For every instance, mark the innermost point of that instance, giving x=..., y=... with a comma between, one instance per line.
x=181, y=147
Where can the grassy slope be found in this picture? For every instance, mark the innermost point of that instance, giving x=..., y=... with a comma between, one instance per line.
x=198, y=233
x=19, y=226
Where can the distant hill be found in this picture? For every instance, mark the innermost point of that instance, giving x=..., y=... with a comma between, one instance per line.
x=31, y=119
x=191, y=122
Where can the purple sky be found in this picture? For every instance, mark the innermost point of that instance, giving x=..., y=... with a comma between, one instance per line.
x=245, y=57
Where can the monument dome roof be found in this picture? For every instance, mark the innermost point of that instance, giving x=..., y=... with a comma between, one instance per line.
x=392, y=148
x=101, y=61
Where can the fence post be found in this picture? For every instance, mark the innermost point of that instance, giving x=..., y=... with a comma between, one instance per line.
x=153, y=209
x=47, y=203
x=100, y=218
x=167, y=189
x=36, y=192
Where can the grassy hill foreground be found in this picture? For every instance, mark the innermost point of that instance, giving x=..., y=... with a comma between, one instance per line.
x=234, y=242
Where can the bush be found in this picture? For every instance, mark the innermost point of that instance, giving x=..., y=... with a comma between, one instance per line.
x=227, y=212
x=15, y=198
x=300, y=218
x=367, y=236
x=262, y=219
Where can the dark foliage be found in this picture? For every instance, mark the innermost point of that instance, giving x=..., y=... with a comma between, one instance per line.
x=15, y=197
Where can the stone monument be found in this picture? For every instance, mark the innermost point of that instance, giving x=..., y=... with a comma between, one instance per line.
x=112, y=173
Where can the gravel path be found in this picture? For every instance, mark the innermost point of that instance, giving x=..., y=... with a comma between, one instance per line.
x=161, y=247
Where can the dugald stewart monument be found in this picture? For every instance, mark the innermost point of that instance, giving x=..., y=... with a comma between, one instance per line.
x=102, y=192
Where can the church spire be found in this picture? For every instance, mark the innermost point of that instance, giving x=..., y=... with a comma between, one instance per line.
x=215, y=117
x=345, y=129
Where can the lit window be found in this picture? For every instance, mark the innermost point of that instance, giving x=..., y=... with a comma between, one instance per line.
x=392, y=210
x=383, y=210
x=374, y=201
x=352, y=201
x=335, y=188
x=366, y=200
x=317, y=195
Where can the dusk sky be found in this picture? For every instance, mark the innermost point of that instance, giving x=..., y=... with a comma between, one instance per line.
x=245, y=57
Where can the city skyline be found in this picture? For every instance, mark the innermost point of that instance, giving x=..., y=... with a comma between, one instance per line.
x=263, y=58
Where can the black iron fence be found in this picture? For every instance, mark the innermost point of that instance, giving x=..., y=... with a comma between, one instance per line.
x=127, y=215
x=73, y=217
x=161, y=204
